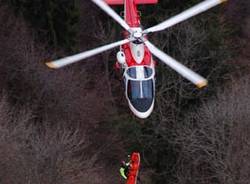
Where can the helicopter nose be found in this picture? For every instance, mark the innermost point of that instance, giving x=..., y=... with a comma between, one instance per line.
x=142, y=108
x=142, y=104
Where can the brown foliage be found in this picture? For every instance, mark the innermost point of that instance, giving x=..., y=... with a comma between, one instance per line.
x=214, y=141
x=52, y=144
x=63, y=95
x=42, y=155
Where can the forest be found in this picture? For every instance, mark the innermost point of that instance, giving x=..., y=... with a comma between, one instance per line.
x=73, y=125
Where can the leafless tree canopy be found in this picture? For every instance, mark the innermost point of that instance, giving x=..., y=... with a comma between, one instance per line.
x=73, y=125
x=214, y=141
x=41, y=155
x=47, y=118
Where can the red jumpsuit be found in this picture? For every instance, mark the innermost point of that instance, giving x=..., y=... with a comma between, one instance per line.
x=134, y=168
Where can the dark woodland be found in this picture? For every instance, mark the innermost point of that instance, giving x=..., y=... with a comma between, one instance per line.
x=73, y=125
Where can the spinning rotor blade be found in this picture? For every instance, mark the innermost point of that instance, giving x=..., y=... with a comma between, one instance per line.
x=72, y=59
x=178, y=67
x=199, y=8
x=112, y=13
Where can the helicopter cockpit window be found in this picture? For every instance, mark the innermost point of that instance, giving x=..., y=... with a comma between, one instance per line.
x=140, y=87
x=134, y=90
x=141, y=94
x=147, y=89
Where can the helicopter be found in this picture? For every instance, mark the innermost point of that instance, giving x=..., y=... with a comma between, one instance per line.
x=135, y=57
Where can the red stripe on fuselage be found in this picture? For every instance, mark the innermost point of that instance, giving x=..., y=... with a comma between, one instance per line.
x=133, y=20
x=130, y=60
x=131, y=14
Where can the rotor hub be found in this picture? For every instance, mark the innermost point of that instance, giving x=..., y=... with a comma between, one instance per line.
x=137, y=34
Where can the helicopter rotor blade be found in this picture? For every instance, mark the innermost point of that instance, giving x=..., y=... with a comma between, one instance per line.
x=197, y=9
x=111, y=13
x=72, y=59
x=195, y=78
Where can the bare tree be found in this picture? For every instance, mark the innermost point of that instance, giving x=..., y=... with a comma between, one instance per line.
x=214, y=141
x=62, y=140
x=44, y=154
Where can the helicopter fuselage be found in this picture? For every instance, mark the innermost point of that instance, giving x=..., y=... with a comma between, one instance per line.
x=135, y=55
x=138, y=65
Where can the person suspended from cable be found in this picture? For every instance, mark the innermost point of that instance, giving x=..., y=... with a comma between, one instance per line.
x=124, y=170
x=129, y=170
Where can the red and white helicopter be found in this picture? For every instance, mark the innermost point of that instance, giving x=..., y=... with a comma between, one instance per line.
x=135, y=55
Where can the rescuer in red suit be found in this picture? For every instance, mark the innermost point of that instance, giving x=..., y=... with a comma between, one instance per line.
x=130, y=170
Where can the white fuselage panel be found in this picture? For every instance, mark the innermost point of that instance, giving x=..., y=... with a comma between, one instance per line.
x=137, y=51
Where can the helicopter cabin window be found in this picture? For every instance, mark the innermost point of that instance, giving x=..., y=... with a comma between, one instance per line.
x=134, y=89
x=132, y=72
x=140, y=89
x=147, y=89
x=148, y=72
x=140, y=86
x=141, y=94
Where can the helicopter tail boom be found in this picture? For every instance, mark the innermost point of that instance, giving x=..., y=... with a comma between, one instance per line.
x=121, y=2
